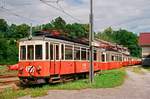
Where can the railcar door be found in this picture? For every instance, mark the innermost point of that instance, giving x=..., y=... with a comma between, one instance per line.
x=54, y=58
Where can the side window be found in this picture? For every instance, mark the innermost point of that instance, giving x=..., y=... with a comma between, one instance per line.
x=120, y=58
x=30, y=54
x=62, y=51
x=77, y=53
x=68, y=52
x=23, y=52
x=95, y=55
x=83, y=53
x=103, y=57
x=87, y=54
x=51, y=52
x=113, y=58
x=47, y=50
x=123, y=59
x=38, y=51
x=117, y=59
x=57, y=51
x=107, y=57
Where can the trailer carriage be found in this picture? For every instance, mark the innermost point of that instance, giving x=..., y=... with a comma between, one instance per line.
x=47, y=58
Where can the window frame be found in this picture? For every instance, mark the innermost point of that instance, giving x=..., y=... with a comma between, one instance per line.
x=55, y=53
x=47, y=51
x=95, y=53
x=62, y=51
x=65, y=52
x=35, y=51
x=77, y=48
x=21, y=52
x=113, y=57
x=85, y=49
x=87, y=54
x=51, y=59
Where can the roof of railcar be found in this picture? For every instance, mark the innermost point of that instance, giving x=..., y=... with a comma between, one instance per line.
x=46, y=36
x=52, y=39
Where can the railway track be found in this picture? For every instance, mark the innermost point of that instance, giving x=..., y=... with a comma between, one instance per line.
x=8, y=79
x=7, y=76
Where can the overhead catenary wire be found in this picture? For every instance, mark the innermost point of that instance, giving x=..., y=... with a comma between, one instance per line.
x=52, y=1
x=47, y=2
x=9, y=11
x=60, y=9
x=17, y=15
x=2, y=3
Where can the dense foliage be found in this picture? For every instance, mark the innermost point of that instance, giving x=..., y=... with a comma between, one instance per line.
x=10, y=34
x=8, y=41
x=74, y=30
x=122, y=37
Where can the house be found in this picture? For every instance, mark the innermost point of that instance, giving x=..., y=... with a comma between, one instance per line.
x=144, y=41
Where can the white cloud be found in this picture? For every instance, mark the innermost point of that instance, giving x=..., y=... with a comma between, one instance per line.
x=132, y=15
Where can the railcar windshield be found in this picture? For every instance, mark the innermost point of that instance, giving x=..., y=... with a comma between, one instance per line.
x=38, y=51
x=23, y=52
x=30, y=49
x=31, y=52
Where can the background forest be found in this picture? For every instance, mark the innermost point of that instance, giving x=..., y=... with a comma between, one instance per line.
x=10, y=34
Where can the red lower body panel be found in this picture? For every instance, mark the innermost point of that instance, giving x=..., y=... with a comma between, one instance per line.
x=47, y=68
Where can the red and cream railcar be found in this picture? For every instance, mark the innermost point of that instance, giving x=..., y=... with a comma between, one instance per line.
x=44, y=58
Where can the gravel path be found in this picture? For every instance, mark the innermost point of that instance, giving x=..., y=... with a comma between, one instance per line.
x=137, y=86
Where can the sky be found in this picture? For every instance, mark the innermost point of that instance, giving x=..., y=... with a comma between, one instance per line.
x=133, y=15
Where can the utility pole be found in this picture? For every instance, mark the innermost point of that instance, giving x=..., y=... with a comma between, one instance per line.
x=91, y=39
x=30, y=33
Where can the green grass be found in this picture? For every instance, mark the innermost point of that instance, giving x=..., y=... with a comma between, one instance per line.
x=107, y=79
x=12, y=94
x=138, y=70
x=110, y=79
x=147, y=67
x=4, y=71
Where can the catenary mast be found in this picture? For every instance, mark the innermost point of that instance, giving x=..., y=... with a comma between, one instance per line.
x=91, y=39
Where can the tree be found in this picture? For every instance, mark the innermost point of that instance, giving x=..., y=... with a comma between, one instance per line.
x=122, y=37
x=11, y=31
x=20, y=31
x=8, y=52
x=86, y=29
x=108, y=31
x=58, y=23
x=3, y=28
x=3, y=25
x=8, y=37
x=47, y=26
x=107, y=35
x=76, y=30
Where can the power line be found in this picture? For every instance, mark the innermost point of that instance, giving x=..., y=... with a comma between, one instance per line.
x=53, y=1
x=2, y=2
x=15, y=14
x=23, y=4
x=59, y=9
x=9, y=11
x=3, y=7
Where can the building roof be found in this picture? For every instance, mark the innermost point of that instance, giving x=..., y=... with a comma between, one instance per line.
x=144, y=39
